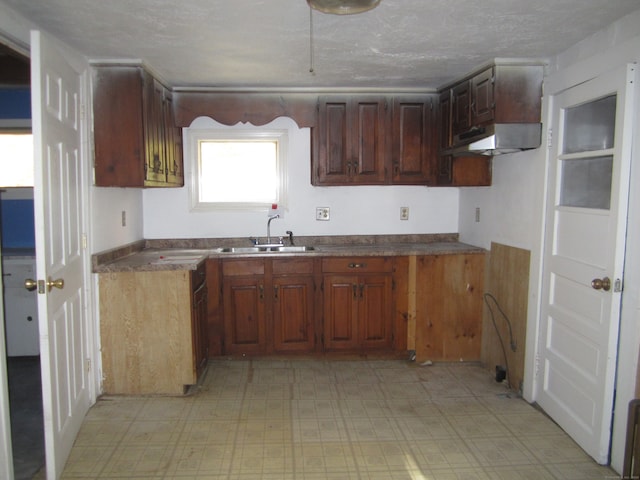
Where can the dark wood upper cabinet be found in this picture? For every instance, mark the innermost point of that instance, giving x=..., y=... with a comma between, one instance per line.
x=350, y=141
x=497, y=94
x=136, y=141
x=413, y=140
x=379, y=140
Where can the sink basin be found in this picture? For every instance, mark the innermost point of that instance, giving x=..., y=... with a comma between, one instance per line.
x=264, y=249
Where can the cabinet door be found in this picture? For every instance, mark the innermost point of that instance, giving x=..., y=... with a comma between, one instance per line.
x=444, y=119
x=482, y=103
x=366, y=140
x=172, y=143
x=199, y=316
x=351, y=141
x=155, y=171
x=340, y=312
x=412, y=140
x=375, y=312
x=244, y=315
x=460, y=112
x=293, y=314
x=334, y=164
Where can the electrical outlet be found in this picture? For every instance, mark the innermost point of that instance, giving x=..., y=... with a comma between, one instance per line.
x=404, y=213
x=323, y=213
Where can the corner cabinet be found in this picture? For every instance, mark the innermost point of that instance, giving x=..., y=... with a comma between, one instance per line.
x=373, y=140
x=136, y=141
x=153, y=330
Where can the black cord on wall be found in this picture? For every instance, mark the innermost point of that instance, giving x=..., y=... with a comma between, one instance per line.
x=512, y=342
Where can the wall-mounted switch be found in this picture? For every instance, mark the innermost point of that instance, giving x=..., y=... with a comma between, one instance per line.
x=124, y=218
x=477, y=214
x=404, y=213
x=323, y=213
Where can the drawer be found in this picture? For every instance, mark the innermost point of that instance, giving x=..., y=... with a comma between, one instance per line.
x=356, y=264
x=293, y=266
x=240, y=267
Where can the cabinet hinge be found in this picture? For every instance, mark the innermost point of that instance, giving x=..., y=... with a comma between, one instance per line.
x=549, y=137
x=88, y=365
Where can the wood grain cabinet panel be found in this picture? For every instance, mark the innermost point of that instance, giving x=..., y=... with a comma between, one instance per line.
x=153, y=331
x=449, y=291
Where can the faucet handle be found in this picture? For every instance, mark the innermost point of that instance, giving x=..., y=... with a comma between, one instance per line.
x=290, y=233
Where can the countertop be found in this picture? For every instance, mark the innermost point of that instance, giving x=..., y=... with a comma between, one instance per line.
x=157, y=259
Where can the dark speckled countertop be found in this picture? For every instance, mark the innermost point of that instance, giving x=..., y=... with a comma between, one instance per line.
x=187, y=254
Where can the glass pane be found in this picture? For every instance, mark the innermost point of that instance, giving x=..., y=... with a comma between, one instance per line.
x=238, y=171
x=590, y=126
x=16, y=160
x=586, y=182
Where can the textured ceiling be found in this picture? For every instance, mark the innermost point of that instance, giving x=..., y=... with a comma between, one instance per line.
x=266, y=43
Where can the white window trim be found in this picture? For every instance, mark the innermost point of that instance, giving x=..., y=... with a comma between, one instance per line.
x=192, y=138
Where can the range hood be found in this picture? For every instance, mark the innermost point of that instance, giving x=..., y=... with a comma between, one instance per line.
x=496, y=139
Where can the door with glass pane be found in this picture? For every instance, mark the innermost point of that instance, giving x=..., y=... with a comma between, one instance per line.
x=583, y=259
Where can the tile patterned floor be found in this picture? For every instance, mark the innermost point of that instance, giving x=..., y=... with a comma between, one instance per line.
x=315, y=419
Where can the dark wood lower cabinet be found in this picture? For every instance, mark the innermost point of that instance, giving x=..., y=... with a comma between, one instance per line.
x=293, y=314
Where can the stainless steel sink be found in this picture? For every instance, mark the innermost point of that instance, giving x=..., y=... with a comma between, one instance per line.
x=265, y=249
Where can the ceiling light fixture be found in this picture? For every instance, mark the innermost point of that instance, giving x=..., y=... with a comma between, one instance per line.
x=343, y=7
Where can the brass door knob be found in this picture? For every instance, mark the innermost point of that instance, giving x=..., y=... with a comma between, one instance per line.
x=601, y=284
x=30, y=284
x=59, y=283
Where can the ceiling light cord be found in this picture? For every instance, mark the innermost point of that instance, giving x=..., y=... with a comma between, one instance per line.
x=311, y=59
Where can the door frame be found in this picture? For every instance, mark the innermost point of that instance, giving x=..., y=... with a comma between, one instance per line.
x=628, y=362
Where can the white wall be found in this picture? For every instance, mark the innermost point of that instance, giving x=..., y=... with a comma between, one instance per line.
x=508, y=207
x=354, y=210
x=107, y=205
x=517, y=199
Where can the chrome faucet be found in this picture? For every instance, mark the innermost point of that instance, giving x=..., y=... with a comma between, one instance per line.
x=271, y=217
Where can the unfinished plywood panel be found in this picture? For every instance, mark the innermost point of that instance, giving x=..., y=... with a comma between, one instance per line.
x=146, y=332
x=508, y=281
x=404, y=303
x=449, y=307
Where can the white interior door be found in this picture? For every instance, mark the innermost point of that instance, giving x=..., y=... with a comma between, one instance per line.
x=57, y=93
x=584, y=252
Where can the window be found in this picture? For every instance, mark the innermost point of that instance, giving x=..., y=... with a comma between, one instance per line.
x=239, y=168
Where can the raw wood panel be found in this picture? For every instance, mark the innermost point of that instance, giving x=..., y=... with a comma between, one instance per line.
x=146, y=336
x=404, y=303
x=508, y=281
x=215, y=330
x=449, y=307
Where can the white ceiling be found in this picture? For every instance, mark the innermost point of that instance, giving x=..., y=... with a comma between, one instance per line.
x=406, y=44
